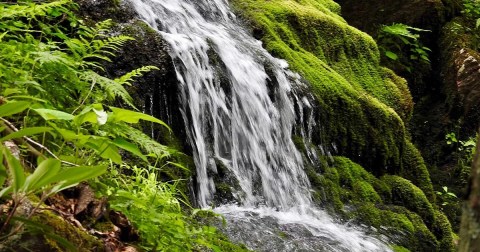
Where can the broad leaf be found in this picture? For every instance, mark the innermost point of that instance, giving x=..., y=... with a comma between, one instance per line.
x=16, y=171
x=51, y=114
x=74, y=175
x=124, y=144
x=6, y=190
x=93, y=113
x=128, y=116
x=26, y=132
x=391, y=55
x=3, y=172
x=105, y=149
x=13, y=107
x=43, y=175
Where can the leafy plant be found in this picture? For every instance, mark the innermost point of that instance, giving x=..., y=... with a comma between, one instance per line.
x=471, y=9
x=471, y=12
x=155, y=210
x=446, y=196
x=465, y=148
x=400, y=42
x=464, y=153
x=56, y=107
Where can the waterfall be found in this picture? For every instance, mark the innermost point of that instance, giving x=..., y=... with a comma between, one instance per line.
x=238, y=108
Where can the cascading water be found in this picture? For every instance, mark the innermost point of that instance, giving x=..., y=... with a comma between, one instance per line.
x=247, y=126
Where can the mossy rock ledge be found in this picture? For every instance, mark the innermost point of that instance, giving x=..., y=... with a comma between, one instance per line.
x=391, y=204
x=379, y=177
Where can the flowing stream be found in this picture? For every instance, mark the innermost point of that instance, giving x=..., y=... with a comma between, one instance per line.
x=239, y=111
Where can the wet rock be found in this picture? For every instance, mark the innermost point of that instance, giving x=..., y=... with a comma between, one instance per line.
x=156, y=93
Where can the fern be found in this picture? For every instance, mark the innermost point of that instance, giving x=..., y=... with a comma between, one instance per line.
x=111, y=88
x=101, y=49
x=33, y=10
x=144, y=141
x=127, y=78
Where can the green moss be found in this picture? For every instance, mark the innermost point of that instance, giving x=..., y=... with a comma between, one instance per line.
x=443, y=231
x=362, y=103
x=60, y=231
x=414, y=169
x=355, y=181
x=404, y=193
x=366, y=192
x=391, y=203
x=328, y=191
x=408, y=227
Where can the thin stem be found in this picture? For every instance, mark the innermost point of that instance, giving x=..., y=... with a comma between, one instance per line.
x=10, y=128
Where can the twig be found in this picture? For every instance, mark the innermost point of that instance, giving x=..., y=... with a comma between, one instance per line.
x=11, y=129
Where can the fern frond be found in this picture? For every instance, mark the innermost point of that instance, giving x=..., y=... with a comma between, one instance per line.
x=111, y=88
x=127, y=78
x=31, y=10
x=53, y=57
x=97, y=49
x=140, y=138
x=103, y=27
x=110, y=45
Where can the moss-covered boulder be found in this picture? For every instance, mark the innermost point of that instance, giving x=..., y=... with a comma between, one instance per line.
x=393, y=205
x=404, y=193
x=47, y=231
x=363, y=106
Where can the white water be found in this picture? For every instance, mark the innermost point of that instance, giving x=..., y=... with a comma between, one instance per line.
x=240, y=123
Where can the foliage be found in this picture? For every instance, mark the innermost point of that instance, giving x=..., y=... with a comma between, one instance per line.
x=471, y=9
x=57, y=108
x=364, y=105
x=155, y=210
x=467, y=27
x=446, y=196
x=464, y=153
x=400, y=42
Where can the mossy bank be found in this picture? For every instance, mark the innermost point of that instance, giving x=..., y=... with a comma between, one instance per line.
x=362, y=111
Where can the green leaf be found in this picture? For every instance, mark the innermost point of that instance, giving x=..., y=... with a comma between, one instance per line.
x=477, y=23
x=90, y=117
x=16, y=171
x=451, y=195
x=93, y=113
x=26, y=132
x=178, y=165
x=124, y=144
x=391, y=55
x=51, y=114
x=74, y=175
x=13, y=107
x=6, y=190
x=2, y=35
x=43, y=175
x=105, y=149
x=3, y=172
x=128, y=116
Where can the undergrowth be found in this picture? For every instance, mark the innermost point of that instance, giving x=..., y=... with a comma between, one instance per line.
x=63, y=122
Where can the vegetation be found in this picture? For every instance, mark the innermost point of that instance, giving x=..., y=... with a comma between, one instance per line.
x=63, y=122
x=390, y=203
x=342, y=67
x=401, y=43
